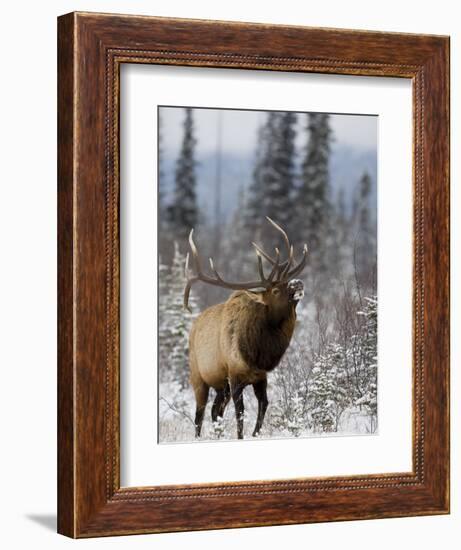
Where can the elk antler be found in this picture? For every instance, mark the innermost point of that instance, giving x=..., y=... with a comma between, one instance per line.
x=280, y=271
x=217, y=280
x=284, y=268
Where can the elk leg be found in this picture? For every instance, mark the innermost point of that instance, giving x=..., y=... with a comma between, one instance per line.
x=221, y=400
x=201, y=397
x=237, y=396
x=260, y=389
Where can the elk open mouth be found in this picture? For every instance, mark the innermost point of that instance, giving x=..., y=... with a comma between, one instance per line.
x=296, y=289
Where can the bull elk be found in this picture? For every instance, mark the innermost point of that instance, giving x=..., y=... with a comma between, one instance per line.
x=236, y=343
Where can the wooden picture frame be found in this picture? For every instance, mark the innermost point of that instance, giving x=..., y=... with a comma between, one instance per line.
x=91, y=48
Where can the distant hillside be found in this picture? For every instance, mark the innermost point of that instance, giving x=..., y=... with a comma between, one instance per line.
x=346, y=167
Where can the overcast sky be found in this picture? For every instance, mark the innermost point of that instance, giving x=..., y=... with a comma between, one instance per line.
x=239, y=130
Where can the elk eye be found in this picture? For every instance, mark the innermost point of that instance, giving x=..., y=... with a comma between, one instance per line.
x=275, y=291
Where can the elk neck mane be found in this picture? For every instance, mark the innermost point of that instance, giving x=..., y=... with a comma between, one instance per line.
x=260, y=338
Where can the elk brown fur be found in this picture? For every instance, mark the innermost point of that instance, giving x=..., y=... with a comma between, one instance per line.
x=236, y=343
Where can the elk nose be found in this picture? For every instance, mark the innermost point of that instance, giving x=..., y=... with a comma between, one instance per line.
x=296, y=289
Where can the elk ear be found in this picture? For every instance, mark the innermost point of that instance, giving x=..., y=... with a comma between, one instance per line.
x=255, y=296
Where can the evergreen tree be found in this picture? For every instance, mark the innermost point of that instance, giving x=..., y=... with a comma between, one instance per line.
x=271, y=192
x=340, y=224
x=174, y=321
x=183, y=213
x=288, y=416
x=238, y=258
x=368, y=367
x=165, y=239
x=160, y=168
x=257, y=205
x=365, y=245
x=361, y=204
x=329, y=391
x=345, y=374
x=341, y=217
x=313, y=197
x=280, y=194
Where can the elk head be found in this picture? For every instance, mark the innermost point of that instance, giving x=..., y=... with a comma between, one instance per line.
x=279, y=289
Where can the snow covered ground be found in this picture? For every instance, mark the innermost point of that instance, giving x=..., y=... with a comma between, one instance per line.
x=176, y=413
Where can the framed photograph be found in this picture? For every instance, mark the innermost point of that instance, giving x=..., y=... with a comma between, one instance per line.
x=253, y=259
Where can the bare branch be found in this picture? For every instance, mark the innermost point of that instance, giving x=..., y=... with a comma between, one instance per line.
x=176, y=410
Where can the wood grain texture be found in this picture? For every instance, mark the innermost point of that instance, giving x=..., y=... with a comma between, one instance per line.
x=91, y=49
x=66, y=297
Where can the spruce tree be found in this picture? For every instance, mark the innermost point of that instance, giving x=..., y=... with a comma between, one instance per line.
x=340, y=226
x=271, y=192
x=313, y=197
x=160, y=169
x=329, y=392
x=368, y=399
x=183, y=213
x=257, y=205
x=174, y=321
x=365, y=245
x=364, y=203
x=281, y=193
x=341, y=216
x=238, y=256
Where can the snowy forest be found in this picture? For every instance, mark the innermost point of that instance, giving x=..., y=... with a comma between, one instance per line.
x=327, y=382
